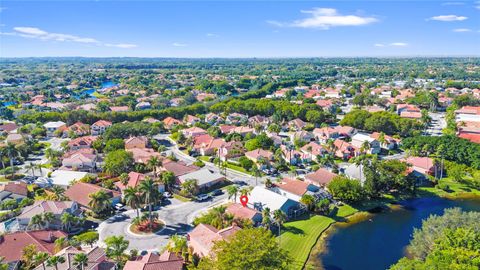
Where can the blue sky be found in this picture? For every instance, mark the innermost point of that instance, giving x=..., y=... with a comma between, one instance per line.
x=239, y=29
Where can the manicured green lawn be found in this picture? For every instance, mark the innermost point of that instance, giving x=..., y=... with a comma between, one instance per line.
x=181, y=198
x=204, y=158
x=299, y=237
x=455, y=189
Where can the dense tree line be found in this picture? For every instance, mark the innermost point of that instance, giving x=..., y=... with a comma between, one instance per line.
x=386, y=122
x=455, y=149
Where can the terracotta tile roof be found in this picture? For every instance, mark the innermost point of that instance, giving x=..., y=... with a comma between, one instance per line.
x=40, y=207
x=102, y=123
x=80, y=192
x=8, y=127
x=79, y=151
x=153, y=261
x=170, y=121
x=203, y=237
x=134, y=179
x=119, y=108
x=238, y=211
x=143, y=155
x=321, y=177
x=11, y=245
x=82, y=141
x=179, y=168
x=19, y=188
x=475, y=138
x=293, y=186
x=257, y=153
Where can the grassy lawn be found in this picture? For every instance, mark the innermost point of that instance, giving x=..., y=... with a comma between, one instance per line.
x=204, y=158
x=299, y=237
x=456, y=189
x=237, y=168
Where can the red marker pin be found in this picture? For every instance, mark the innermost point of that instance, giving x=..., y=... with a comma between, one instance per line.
x=244, y=200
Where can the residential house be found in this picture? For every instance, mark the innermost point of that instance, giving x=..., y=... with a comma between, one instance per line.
x=15, y=138
x=320, y=178
x=191, y=120
x=212, y=118
x=314, y=150
x=96, y=260
x=422, y=166
x=258, y=120
x=326, y=133
x=344, y=150
x=468, y=114
x=81, y=142
x=13, y=191
x=192, y=132
x=389, y=143
x=236, y=118
x=409, y=111
x=302, y=136
x=361, y=140
x=170, y=122
x=205, y=177
x=296, y=124
x=226, y=129
x=241, y=212
x=154, y=261
x=9, y=127
x=81, y=162
x=136, y=142
x=178, y=168
x=80, y=193
x=294, y=157
x=144, y=105
x=202, y=238
x=100, y=127
x=64, y=178
x=57, y=208
x=143, y=155
x=77, y=129
x=259, y=154
x=119, y=108
x=134, y=179
x=294, y=189
x=242, y=130
x=52, y=127
x=232, y=149
x=261, y=198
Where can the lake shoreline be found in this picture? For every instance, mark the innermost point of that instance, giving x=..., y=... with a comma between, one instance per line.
x=313, y=262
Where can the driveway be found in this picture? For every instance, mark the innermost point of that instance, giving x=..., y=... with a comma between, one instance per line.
x=178, y=217
x=55, y=144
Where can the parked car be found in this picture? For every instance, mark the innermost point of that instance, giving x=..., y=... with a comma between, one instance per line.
x=216, y=192
x=168, y=195
x=202, y=197
x=119, y=207
x=240, y=183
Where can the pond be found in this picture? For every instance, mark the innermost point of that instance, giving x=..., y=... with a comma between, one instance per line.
x=380, y=241
x=90, y=92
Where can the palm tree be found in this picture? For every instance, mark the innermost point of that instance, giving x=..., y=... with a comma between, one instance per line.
x=441, y=154
x=3, y=155
x=40, y=258
x=116, y=246
x=99, y=201
x=12, y=153
x=152, y=164
x=30, y=166
x=54, y=261
x=132, y=198
x=365, y=147
x=39, y=167
x=124, y=178
x=37, y=222
x=268, y=183
x=256, y=173
x=266, y=217
x=58, y=191
x=80, y=260
x=232, y=192
x=381, y=138
x=308, y=200
x=67, y=220
x=178, y=245
x=60, y=243
x=48, y=218
x=150, y=194
x=246, y=191
x=168, y=179
x=220, y=217
x=279, y=217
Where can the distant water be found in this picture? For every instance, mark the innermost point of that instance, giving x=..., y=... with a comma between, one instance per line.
x=90, y=92
x=8, y=103
x=379, y=242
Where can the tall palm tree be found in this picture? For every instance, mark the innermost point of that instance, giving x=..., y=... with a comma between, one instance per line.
x=132, y=199
x=60, y=243
x=30, y=166
x=12, y=153
x=168, y=179
x=3, y=155
x=80, y=260
x=153, y=163
x=67, y=220
x=59, y=192
x=116, y=246
x=365, y=147
x=36, y=222
x=246, y=191
x=48, y=218
x=279, y=217
x=99, y=201
x=441, y=153
x=266, y=217
x=39, y=167
x=232, y=192
x=124, y=178
x=54, y=261
x=178, y=245
x=150, y=194
x=256, y=173
x=41, y=258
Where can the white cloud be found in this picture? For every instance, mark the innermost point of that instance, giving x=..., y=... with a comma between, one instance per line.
x=212, y=35
x=325, y=18
x=178, y=44
x=448, y=18
x=393, y=44
x=462, y=30
x=37, y=33
x=398, y=44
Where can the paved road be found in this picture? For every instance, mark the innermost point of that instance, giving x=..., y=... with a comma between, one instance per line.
x=178, y=217
x=437, y=124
